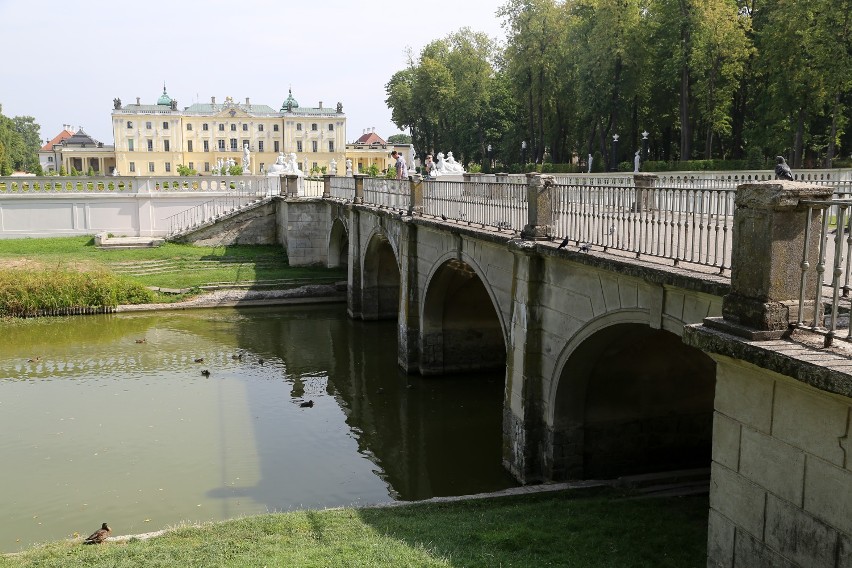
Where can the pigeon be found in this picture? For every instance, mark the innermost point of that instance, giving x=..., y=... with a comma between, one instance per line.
x=99, y=535
x=444, y=217
x=585, y=247
x=564, y=243
x=782, y=170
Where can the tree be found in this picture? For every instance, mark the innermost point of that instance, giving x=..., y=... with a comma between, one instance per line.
x=184, y=171
x=399, y=139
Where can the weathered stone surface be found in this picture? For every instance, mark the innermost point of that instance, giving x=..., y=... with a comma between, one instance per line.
x=744, y=394
x=828, y=494
x=726, y=441
x=720, y=541
x=798, y=536
x=844, y=553
x=737, y=498
x=750, y=552
x=772, y=464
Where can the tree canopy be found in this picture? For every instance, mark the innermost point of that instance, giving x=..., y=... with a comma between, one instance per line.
x=707, y=79
x=20, y=141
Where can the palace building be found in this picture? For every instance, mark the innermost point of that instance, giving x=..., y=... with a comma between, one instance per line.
x=153, y=139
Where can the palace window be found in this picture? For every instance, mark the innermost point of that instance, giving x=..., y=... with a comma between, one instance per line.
x=331, y=146
x=260, y=145
x=260, y=128
x=275, y=128
x=233, y=128
x=277, y=146
x=222, y=144
x=132, y=167
x=189, y=145
x=204, y=127
x=151, y=167
x=298, y=126
x=148, y=125
x=299, y=146
x=245, y=127
x=165, y=146
x=165, y=125
x=129, y=124
x=221, y=128
x=233, y=143
x=314, y=127
x=130, y=145
x=168, y=167
x=206, y=166
x=150, y=145
x=189, y=126
x=207, y=145
x=314, y=146
x=331, y=128
x=191, y=166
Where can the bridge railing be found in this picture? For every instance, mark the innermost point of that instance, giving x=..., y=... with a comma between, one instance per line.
x=259, y=186
x=207, y=212
x=391, y=193
x=343, y=188
x=681, y=224
x=312, y=187
x=489, y=204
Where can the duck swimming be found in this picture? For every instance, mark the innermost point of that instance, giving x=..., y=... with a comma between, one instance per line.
x=99, y=535
x=307, y=404
x=205, y=372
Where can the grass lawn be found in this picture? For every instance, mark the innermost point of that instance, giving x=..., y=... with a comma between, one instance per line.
x=567, y=528
x=168, y=266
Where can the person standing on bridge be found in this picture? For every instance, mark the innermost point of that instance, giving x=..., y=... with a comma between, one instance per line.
x=400, y=165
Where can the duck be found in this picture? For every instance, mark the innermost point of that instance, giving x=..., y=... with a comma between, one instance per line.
x=307, y=404
x=141, y=341
x=205, y=372
x=35, y=359
x=261, y=361
x=199, y=360
x=99, y=535
x=237, y=356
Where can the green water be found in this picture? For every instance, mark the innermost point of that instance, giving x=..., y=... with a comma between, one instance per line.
x=113, y=421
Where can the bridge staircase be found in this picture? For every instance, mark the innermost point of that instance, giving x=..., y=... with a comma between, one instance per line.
x=219, y=210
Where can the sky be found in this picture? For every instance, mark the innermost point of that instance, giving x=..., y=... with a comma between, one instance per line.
x=65, y=62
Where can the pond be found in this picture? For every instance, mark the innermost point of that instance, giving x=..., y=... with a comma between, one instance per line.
x=109, y=418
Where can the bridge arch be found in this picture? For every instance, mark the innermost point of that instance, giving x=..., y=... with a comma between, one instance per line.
x=462, y=328
x=627, y=398
x=338, y=243
x=381, y=278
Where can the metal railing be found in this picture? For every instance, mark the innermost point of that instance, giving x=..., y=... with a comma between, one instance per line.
x=343, y=188
x=207, y=212
x=827, y=310
x=489, y=204
x=683, y=225
x=390, y=193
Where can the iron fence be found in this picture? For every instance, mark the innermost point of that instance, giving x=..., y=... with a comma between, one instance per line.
x=488, y=204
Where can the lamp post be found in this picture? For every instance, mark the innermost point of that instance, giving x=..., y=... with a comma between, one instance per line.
x=524, y=154
x=645, y=145
x=614, y=160
x=490, y=158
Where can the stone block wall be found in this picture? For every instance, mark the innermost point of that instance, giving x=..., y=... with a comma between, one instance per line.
x=781, y=482
x=303, y=229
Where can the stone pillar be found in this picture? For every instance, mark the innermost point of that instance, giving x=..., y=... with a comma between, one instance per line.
x=292, y=183
x=326, y=185
x=523, y=426
x=539, y=207
x=644, y=184
x=408, y=323
x=768, y=242
x=282, y=185
x=359, y=188
x=415, y=202
x=354, y=291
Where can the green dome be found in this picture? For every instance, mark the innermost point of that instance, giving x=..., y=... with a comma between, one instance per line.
x=164, y=99
x=290, y=103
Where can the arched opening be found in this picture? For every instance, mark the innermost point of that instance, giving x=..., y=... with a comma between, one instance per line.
x=338, y=245
x=633, y=400
x=380, y=291
x=461, y=330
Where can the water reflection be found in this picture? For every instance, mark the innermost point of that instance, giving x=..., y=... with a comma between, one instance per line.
x=108, y=429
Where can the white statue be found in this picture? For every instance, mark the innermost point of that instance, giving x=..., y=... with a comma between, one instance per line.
x=278, y=167
x=220, y=167
x=246, y=159
x=447, y=165
x=348, y=167
x=332, y=167
x=292, y=165
x=636, y=162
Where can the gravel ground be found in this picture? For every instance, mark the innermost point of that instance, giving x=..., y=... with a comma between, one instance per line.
x=231, y=297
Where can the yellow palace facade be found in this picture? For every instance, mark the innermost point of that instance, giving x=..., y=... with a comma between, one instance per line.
x=152, y=140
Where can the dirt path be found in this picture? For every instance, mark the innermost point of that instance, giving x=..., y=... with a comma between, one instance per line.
x=312, y=293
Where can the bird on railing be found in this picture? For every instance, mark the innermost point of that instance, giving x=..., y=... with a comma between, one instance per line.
x=585, y=247
x=444, y=217
x=564, y=243
x=782, y=170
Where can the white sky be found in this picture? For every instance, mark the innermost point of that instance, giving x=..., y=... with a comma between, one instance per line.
x=64, y=62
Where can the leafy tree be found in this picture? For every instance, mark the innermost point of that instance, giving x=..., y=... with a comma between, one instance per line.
x=184, y=171
x=62, y=171
x=373, y=170
x=90, y=171
x=399, y=139
x=235, y=170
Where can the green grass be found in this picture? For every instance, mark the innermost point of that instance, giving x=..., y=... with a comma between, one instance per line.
x=554, y=529
x=173, y=266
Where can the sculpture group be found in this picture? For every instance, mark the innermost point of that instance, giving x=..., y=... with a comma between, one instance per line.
x=447, y=165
